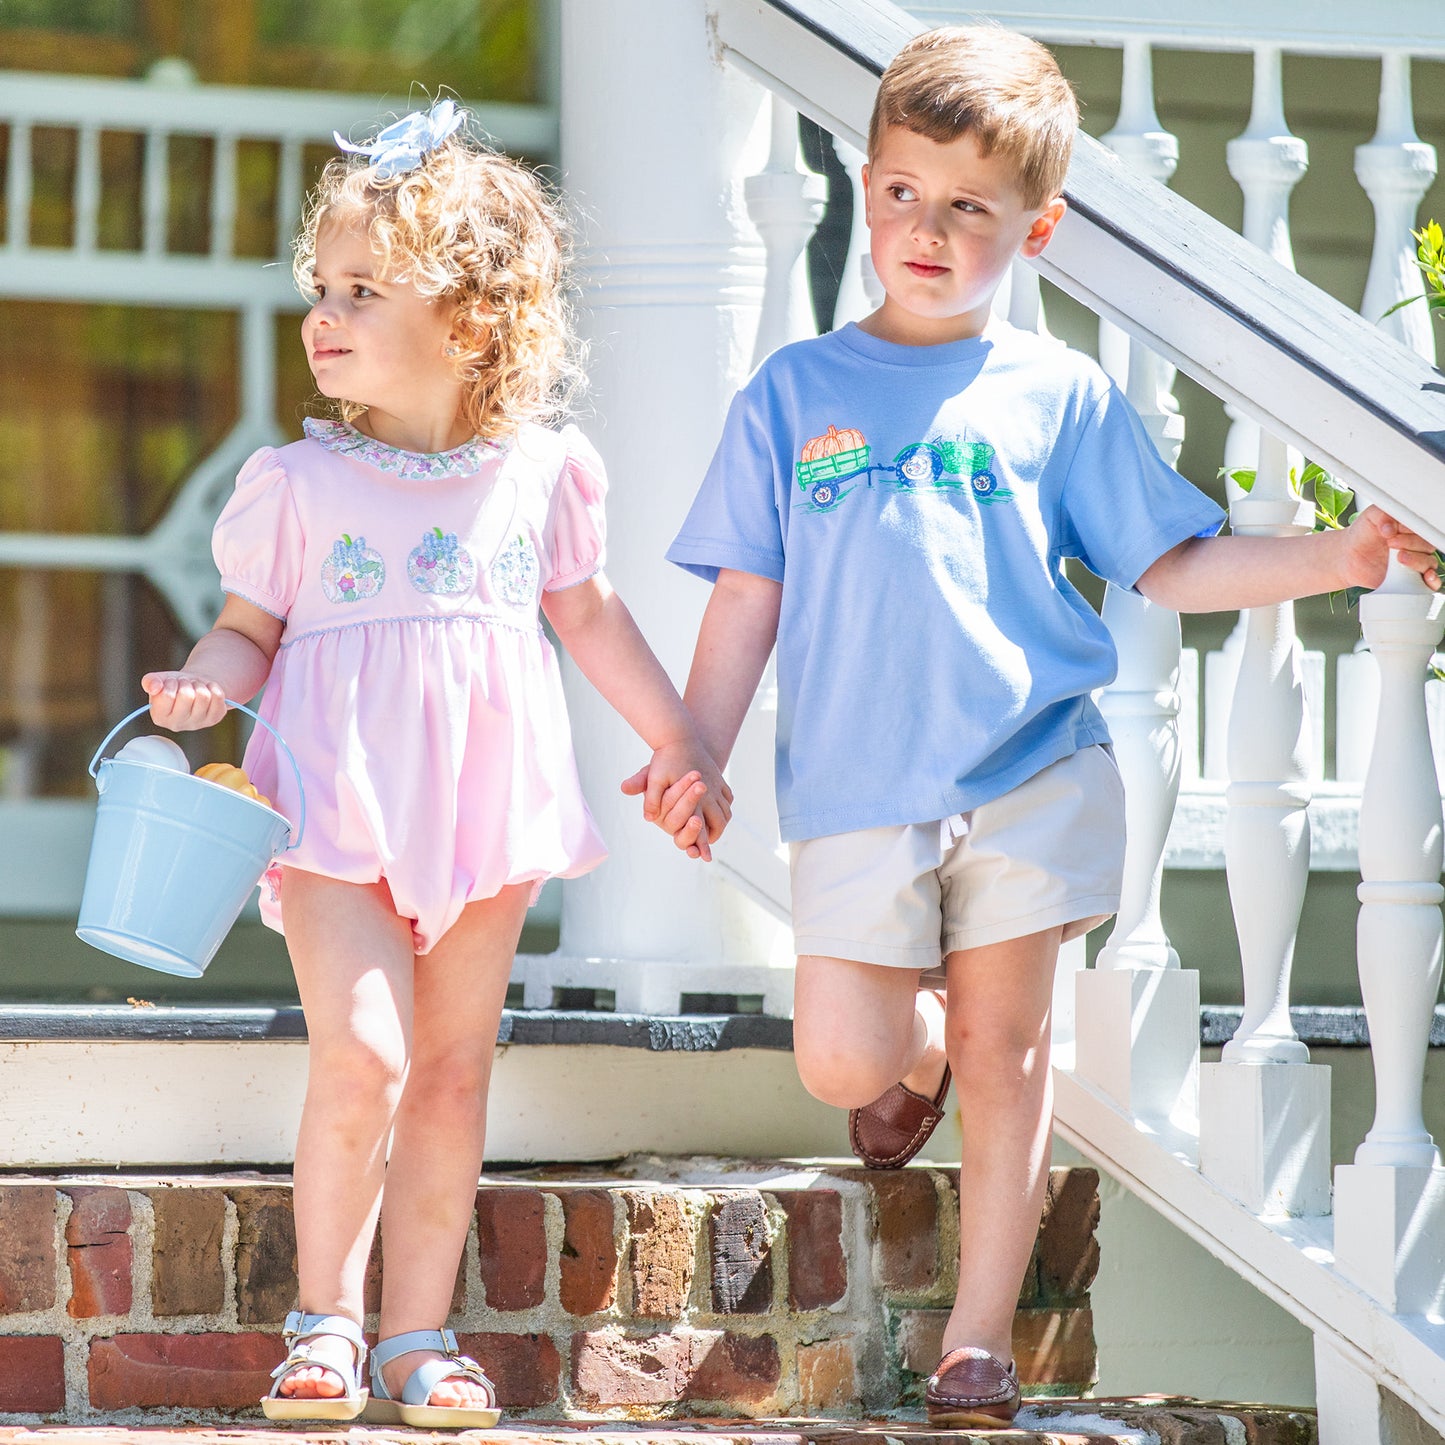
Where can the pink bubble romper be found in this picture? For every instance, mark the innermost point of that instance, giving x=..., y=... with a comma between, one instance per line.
x=414, y=683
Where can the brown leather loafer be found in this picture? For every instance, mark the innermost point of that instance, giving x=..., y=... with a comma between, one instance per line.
x=887, y=1133
x=972, y=1387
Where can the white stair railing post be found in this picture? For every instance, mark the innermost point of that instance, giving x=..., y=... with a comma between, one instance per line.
x=1399, y=938
x=1265, y=1109
x=1137, y=1011
x=1389, y=1226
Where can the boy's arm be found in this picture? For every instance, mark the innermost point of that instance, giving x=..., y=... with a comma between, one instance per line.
x=733, y=643
x=1215, y=574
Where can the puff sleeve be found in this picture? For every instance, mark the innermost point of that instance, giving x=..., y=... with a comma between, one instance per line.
x=579, y=525
x=257, y=541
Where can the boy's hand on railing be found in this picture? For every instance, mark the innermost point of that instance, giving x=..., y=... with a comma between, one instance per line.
x=184, y=701
x=683, y=791
x=1371, y=536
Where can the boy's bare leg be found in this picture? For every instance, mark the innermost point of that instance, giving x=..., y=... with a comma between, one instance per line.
x=436, y=1151
x=859, y=1028
x=998, y=1045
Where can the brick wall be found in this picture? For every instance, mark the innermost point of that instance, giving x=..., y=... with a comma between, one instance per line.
x=721, y=1289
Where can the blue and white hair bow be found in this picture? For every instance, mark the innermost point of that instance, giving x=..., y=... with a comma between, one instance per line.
x=403, y=145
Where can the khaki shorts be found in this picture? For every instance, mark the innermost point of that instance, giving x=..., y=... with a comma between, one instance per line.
x=1049, y=853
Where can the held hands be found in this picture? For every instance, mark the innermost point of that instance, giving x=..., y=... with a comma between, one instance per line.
x=184, y=701
x=1370, y=538
x=683, y=791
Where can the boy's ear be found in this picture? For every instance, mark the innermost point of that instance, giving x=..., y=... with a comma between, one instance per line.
x=1042, y=230
x=867, y=198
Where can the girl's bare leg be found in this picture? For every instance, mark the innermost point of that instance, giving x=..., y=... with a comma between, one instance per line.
x=353, y=962
x=998, y=1045
x=436, y=1152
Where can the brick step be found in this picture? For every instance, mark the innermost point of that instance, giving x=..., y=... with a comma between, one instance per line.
x=1089, y=1422
x=655, y=1287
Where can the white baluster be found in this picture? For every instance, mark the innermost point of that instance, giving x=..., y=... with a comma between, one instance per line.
x=1139, y=139
x=858, y=290
x=1137, y=1011
x=18, y=188
x=785, y=203
x=1400, y=855
x=1264, y=1131
x=87, y=188
x=1142, y=707
x=1396, y=169
x=1390, y=1203
x=1267, y=831
x=1266, y=834
x=223, y=198
x=1267, y=162
x=155, y=192
x=1265, y=1109
x=288, y=194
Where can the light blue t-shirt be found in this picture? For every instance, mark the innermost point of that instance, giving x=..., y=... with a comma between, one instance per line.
x=917, y=503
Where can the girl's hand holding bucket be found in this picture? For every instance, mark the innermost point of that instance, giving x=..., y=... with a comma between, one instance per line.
x=184, y=701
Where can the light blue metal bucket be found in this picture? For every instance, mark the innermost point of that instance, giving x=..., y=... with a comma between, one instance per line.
x=173, y=859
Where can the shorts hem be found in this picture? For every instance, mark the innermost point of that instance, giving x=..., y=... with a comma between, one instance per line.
x=1100, y=906
x=850, y=950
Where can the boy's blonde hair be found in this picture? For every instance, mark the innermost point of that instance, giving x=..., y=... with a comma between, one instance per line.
x=476, y=228
x=1000, y=87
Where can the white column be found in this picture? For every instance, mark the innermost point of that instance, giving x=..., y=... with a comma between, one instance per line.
x=1396, y=168
x=672, y=277
x=1137, y=1012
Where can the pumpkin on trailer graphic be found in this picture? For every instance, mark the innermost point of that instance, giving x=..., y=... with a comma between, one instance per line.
x=828, y=459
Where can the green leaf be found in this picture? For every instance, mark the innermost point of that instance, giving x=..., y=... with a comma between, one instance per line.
x=1242, y=477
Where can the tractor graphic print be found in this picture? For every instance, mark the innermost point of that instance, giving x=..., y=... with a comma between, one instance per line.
x=839, y=460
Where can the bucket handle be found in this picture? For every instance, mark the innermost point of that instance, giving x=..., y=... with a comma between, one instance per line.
x=241, y=707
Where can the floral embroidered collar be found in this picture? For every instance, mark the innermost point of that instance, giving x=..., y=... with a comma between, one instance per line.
x=460, y=461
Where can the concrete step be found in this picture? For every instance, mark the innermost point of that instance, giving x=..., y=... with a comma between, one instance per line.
x=1060, y=1422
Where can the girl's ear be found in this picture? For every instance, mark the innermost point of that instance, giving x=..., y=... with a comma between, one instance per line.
x=1042, y=230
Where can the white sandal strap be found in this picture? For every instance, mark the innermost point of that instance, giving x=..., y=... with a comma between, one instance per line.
x=301, y=1330
x=428, y=1375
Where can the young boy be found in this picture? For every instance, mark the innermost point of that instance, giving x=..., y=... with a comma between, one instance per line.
x=892, y=504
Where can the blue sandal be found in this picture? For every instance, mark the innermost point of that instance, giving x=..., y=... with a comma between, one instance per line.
x=412, y=1408
x=299, y=1331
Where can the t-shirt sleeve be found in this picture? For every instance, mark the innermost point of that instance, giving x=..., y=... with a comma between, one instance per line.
x=734, y=521
x=579, y=522
x=257, y=542
x=1123, y=507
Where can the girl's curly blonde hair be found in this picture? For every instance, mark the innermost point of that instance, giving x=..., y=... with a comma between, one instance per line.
x=477, y=228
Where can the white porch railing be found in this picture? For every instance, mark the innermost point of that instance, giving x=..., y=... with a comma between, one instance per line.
x=1237, y=1154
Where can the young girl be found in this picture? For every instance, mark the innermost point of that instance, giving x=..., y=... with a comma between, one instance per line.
x=384, y=577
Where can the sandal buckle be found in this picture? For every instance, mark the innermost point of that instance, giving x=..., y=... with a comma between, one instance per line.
x=449, y=1343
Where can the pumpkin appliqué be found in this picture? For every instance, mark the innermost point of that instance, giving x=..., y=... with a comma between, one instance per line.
x=832, y=442
x=515, y=573
x=441, y=565
x=352, y=572
x=829, y=461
